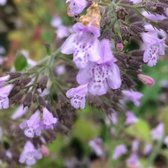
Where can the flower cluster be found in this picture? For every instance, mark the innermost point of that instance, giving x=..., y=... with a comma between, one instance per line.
x=93, y=49
x=41, y=119
x=97, y=66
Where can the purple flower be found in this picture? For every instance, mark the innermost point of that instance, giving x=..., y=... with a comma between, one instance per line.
x=60, y=70
x=119, y=151
x=136, y=1
x=4, y=93
x=75, y=7
x=130, y=118
x=135, y=145
x=103, y=74
x=29, y=154
x=133, y=96
x=113, y=117
x=20, y=111
x=147, y=149
x=3, y=2
x=153, y=45
x=8, y=154
x=62, y=32
x=32, y=126
x=56, y=22
x=77, y=96
x=133, y=161
x=3, y=79
x=48, y=121
x=83, y=44
x=96, y=146
x=158, y=132
x=153, y=17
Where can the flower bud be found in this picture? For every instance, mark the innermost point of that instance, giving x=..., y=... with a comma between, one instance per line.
x=44, y=150
x=28, y=99
x=14, y=75
x=137, y=28
x=121, y=13
x=119, y=47
x=25, y=81
x=43, y=82
x=147, y=80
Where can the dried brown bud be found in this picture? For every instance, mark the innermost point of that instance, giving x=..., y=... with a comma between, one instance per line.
x=43, y=82
x=164, y=1
x=42, y=101
x=25, y=81
x=121, y=13
x=14, y=75
x=16, y=98
x=137, y=28
x=128, y=81
x=126, y=34
x=28, y=99
x=134, y=18
x=137, y=53
x=93, y=16
x=156, y=7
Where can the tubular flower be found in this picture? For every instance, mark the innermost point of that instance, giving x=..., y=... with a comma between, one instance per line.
x=75, y=7
x=77, y=96
x=31, y=126
x=4, y=93
x=84, y=44
x=154, y=46
x=103, y=74
x=133, y=96
x=29, y=154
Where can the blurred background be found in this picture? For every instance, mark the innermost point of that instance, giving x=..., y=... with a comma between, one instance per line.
x=27, y=25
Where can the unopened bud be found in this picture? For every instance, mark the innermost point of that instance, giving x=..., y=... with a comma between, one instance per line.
x=147, y=80
x=121, y=13
x=43, y=82
x=164, y=1
x=16, y=98
x=28, y=99
x=137, y=28
x=25, y=81
x=156, y=7
x=42, y=101
x=44, y=150
x=14, y=75
x=119, y=47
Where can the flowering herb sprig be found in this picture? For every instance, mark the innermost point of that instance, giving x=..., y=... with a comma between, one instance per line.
x=107, y=70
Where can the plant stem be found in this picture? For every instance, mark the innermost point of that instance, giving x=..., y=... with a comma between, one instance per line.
x=154, y=153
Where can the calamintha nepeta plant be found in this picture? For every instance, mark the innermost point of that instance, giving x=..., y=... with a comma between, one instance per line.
x=106, y=77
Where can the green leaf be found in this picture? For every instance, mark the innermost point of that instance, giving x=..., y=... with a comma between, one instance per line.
x=57, y=144
x=140, y=130
x=85, y=130
x=20, y=62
